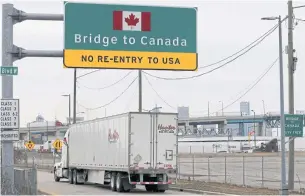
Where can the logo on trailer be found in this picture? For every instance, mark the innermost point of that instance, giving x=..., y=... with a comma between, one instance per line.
x=113, y=136
x=166, y=129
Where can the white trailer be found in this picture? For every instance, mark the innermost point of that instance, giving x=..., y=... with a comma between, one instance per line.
x=123, y=150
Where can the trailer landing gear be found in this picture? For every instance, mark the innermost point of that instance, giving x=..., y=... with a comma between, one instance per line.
x=56, y=178
x=119, y=182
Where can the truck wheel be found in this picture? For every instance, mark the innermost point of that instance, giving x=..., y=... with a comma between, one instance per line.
x=56, y=178
x=70, y=176
x=119, y=183
x=75, y=177
x=113, y=181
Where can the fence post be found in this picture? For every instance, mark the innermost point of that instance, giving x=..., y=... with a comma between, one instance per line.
x=244, y=171
x=193, y=166
x=262, y=171
x=179, y=168
x=190, y=149
x=209, y=174
x=225, y=169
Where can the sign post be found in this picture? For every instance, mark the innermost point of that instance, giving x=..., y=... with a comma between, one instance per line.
x=293, y=125
x=130, y=37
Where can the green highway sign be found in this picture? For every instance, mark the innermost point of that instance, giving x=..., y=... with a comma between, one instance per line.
x=9, y=71
x=293, y=125
x=129, y=37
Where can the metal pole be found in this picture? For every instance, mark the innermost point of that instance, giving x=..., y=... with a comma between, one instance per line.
x=284, y=190
x=74, y=97
x=254, y=132
x=140, y=90
x=291, y=92
x=209, y=172
x=225, y=169
x=244, y=183
x=193, y=166
x=69, y=109
x=264, y=106
x=7, y=166
x=208, y=109
x=262, y=171
x=222, y=108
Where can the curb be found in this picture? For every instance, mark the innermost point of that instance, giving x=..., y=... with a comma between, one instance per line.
x=198, y=191
x=43, y=192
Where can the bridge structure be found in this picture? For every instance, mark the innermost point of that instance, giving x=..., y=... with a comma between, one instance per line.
x=260, y=123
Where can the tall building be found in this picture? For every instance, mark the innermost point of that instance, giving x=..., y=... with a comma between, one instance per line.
x=245, y=108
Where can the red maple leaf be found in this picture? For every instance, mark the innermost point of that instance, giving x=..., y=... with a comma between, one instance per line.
x=132, y=20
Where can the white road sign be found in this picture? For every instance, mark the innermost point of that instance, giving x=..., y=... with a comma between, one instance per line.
x=9, y=118
x=9, y=135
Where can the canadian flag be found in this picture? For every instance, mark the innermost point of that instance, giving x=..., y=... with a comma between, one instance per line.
x=131, y=21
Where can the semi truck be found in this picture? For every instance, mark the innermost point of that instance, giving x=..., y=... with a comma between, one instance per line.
x=122, y=151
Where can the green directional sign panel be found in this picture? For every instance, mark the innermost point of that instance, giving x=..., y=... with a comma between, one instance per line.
x=130, y=37
x=9, y=70
x=293, y=125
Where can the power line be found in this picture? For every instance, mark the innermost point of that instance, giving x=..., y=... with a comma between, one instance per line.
x=108, y=86
x=88, y=73
x=102, y=106
x=158, y=93
x=251, y=87
x=260, y=37
x=199, y=75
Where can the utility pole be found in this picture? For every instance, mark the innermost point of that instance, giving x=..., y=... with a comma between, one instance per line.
x=291, y=92
x=140, y=90
x=74, y=97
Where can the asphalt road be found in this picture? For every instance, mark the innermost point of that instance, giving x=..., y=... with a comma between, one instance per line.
x=47, y=184
x=250, y=171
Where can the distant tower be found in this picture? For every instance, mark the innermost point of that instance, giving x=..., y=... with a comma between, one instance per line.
x=245, y=108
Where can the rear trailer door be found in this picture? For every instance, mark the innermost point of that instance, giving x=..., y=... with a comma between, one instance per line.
x=153, y=141
x=165, y=141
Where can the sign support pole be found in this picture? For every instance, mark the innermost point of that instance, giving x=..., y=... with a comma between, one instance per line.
x=11, y=53
x=140, y=90
x=7, y=158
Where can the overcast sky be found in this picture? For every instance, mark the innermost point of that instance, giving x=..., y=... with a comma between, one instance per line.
x=223, y=28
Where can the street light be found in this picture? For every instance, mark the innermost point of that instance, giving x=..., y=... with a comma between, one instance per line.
x=284, y=190
x=254, y=129
x=69, y=107
x=221, y=107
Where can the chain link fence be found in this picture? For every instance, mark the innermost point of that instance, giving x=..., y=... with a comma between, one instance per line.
x=41, y=160
x=25, y=181
x=251, y=171
x=260, y=171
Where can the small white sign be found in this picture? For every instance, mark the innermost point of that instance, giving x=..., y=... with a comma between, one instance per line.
x=9, y=118
x=9, y=135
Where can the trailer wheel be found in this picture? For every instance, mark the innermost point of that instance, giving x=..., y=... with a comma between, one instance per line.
x=70, y=176
x=75, y=177
x=113, y=181
x=119, y=183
